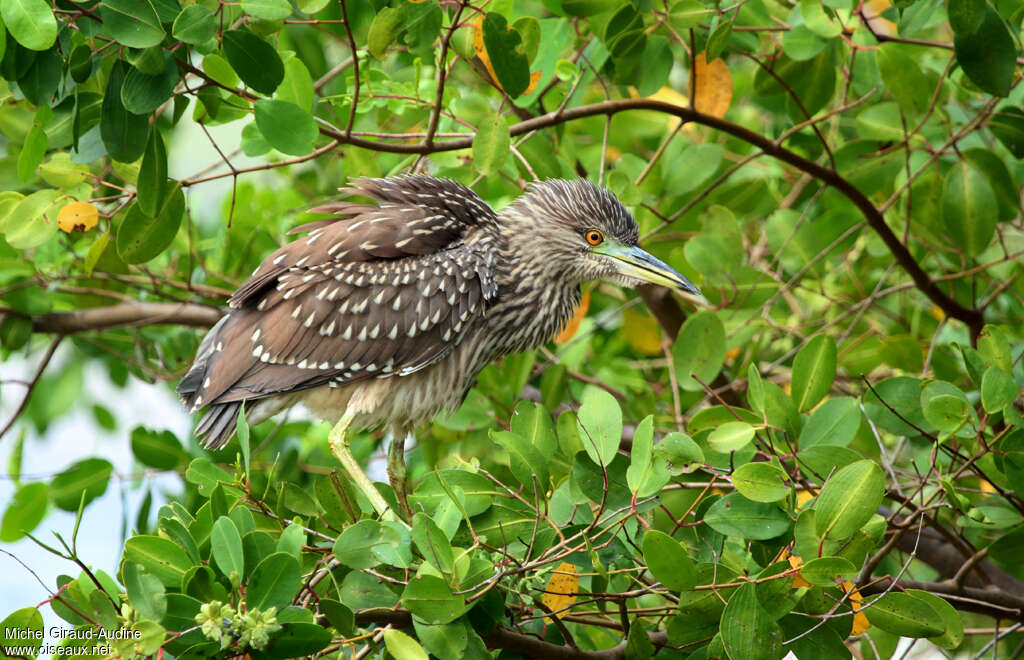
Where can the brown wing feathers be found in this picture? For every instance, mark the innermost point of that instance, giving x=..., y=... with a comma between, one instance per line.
x=382, y=289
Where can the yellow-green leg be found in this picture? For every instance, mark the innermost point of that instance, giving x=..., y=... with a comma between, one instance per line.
x=397, y=473
x=338, y=438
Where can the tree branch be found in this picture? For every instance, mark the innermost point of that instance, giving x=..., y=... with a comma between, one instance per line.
x=126, y=315
x=503, y=638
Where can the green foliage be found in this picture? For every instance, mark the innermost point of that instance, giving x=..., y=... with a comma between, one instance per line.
x=742, y=479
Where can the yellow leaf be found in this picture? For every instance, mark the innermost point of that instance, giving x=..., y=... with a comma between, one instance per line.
x=985, y=487
x=732, y=354
x=667, y=95
x=573, y=324
x=642, y=331
x=937, y=313
x=534, y=79
x=77, y=216
x=713, y=86
x=803, y=496
x=860, y=620
x=481, y=50
x=798, y=581
x=560, y=592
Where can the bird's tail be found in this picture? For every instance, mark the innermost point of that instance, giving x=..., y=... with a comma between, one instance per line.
x=218, y=423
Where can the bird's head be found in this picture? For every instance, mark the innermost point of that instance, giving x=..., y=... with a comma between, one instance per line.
x=575, y=231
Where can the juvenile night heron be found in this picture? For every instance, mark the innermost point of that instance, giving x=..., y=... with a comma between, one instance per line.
x=386, y=313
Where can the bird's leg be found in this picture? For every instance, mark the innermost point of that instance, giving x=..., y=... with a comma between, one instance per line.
x=397, y=472
x=338, y=438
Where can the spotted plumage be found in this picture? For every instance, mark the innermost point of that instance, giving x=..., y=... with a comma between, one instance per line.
x=390, y=308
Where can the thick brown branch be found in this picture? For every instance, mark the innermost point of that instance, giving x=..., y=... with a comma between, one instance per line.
x=503, y=638
x=128, y=314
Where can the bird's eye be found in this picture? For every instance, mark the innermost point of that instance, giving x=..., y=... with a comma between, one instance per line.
x=594, y=237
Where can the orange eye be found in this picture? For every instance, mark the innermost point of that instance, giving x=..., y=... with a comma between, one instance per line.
x=594, y=237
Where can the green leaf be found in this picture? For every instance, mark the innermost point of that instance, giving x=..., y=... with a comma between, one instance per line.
x=905, y=615
x=954, y=633
x=353, y=546
x=969, y=208
x=965, y=16
x=287, y=127
x=152, y=174
x=291, y=541
x=226, y=547
x=403, y=647
x=141, y=238
x=828, y=571
x=32, y=153
x=760, y=482
x=31, y=22
x=599, y=421
x=141, y=93
x=254, y=60
x=20, y=622
x=880, y=122
x=532, y=422
x=194, y=25
x=998, y=389
x=833, y=423
x=646, y=474
x=432, y=543
x=699, y=350
x=491, y=144
x=818, y=20
x=132, y=23
x=731, y=436
x=123, y=132
x=814, y=369
x=747, y=630
x=205, y=475
x=988, y=55
x=668, y=561
x=503, y=44
x=360, y=591
x=89, y=476
x=735, y=515
x=429, y=598
x=1007, y=125
x=298, y=639
x=848, y=499
x=945, y=406
x=903, y=77
x=994, y=346
x=800, y=44
x=685, y=14
x=24, y=512
x=271, y=10
x=162, y=558
x=274, y=582
x=145, y=592
x=525, y=460
x=297, y=86
x=32, y=222
x=156, y=449
x=680, y=452
x=383, y=31
x=422, y=23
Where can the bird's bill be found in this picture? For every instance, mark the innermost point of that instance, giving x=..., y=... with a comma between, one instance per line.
x=640, y=265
